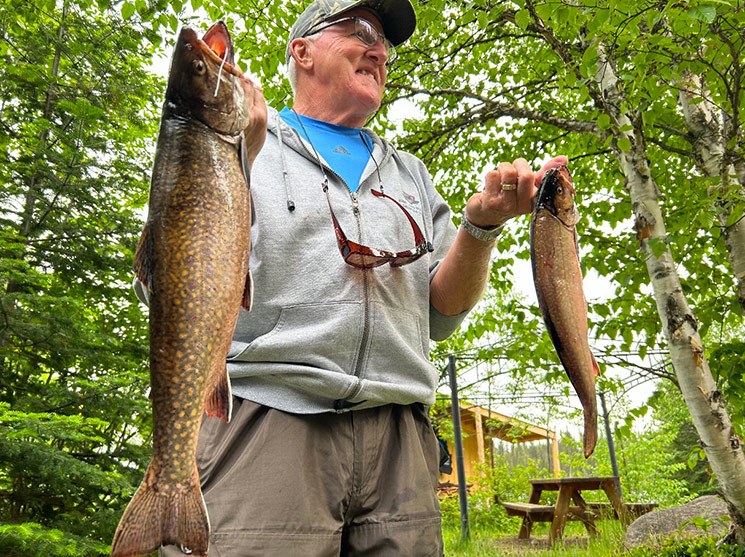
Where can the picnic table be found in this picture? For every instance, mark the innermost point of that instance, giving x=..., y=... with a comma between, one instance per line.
x=570, y=490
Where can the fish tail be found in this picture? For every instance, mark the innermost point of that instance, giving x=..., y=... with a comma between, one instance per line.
x=154, y=518
x=590, y=438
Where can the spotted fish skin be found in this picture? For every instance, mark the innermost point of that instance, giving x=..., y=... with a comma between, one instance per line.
x=557, y=275
x=193, y=259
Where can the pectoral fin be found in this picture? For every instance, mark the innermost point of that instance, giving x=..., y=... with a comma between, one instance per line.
x=595, y=365
x=219, y=402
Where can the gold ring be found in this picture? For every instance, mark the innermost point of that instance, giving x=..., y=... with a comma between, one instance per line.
x=509, y=187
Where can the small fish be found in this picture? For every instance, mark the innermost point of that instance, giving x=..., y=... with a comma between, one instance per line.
x=554, y=256
x=193, y=259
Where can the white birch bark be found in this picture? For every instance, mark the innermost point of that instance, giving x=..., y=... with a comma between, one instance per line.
x=703, y=399
x=703, y=122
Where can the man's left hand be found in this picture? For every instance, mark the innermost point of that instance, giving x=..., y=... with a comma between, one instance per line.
x=509, y=192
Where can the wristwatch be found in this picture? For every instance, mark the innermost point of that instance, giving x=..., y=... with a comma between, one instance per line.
x=483, y=234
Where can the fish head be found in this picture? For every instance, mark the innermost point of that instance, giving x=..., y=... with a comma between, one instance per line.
x=203, y=82
x=556, y=193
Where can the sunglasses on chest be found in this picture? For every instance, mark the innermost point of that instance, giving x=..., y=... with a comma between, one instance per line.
x=365, y=257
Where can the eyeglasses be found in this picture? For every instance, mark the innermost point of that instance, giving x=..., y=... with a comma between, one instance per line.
x=364, y=257
x=365, y=32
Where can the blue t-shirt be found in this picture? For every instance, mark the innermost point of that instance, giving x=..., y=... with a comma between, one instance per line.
x=341, y=147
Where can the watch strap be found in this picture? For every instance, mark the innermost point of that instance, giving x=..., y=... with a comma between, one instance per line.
x=483, y=234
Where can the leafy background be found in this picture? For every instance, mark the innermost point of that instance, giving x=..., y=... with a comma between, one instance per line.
x=479, y=82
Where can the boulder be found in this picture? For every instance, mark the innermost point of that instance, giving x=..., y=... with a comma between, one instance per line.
x=662, y=524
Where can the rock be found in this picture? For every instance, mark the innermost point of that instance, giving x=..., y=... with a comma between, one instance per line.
x=662, y=524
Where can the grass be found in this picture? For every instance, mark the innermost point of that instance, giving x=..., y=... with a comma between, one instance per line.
x=576, y=542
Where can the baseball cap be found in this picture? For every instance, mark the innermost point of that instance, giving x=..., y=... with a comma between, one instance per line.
x=397, y=17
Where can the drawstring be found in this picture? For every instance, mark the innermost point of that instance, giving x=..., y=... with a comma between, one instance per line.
x=288, y=186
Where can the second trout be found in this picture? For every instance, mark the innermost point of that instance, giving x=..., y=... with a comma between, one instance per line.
x=554, y=256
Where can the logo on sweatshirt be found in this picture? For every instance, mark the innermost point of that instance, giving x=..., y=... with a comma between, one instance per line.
x=411, y=202
x=341, y=150
x=410, y=199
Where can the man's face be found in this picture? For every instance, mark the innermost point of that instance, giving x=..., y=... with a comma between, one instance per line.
x=351, y=72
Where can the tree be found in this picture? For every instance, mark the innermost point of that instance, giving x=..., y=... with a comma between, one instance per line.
x=77, y=118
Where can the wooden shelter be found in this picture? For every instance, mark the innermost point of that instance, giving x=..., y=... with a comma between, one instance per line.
x=480, y=426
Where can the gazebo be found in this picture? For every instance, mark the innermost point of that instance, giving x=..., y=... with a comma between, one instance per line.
x=480, y=426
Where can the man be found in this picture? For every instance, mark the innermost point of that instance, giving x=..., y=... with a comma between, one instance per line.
x=330, y=450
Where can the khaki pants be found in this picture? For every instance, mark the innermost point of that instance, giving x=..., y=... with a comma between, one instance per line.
x=362, y=483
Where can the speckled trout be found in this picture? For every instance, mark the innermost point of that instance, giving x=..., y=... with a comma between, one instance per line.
x=554, y=256
x=193, y=259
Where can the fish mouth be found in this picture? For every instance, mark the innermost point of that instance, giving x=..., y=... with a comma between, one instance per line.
x=218, y=47
x=563, y=171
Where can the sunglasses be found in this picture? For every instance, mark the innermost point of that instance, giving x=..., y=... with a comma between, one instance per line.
x=365, y=32
x=364, y=257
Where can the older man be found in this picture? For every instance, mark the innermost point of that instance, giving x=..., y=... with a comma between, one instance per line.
x=357, y=265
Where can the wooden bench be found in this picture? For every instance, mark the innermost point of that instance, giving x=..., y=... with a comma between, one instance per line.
x=533, y=512
x=633, y=510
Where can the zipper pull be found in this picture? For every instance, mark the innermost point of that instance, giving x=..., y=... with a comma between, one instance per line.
x=355, y=203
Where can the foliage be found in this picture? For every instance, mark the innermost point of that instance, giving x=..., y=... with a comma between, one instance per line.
x=695, y=547
x=78, y=119
x=495, y=484
x=684, y=447
x=33, y=540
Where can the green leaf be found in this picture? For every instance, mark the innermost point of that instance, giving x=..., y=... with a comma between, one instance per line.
x=705, y=13
x=658, y=246
x=624, y=144
x=522, y=18
x=128, y=10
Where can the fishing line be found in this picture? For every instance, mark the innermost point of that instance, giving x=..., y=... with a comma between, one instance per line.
x=219, y=77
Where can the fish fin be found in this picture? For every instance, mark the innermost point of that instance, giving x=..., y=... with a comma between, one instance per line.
x=248, y=292
x=219, y=403
x=595, y=365
x=157, y=517
x=141, y=265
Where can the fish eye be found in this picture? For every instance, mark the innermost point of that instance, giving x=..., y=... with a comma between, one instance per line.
x=199, y=67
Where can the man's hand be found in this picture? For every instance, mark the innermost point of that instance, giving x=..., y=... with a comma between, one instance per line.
x=255, y=133
x=509, y=192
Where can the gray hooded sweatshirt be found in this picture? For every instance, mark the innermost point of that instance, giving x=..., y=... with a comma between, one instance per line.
x=324, y=336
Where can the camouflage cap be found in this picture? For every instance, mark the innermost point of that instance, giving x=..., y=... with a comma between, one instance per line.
x=396, y=16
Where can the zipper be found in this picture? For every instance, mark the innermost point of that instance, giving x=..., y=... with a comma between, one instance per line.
x=365, y=340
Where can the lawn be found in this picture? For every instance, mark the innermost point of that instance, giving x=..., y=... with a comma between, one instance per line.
x=576, y=542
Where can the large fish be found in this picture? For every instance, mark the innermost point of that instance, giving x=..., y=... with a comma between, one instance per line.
x=193, y=259
x=557, y=275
